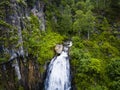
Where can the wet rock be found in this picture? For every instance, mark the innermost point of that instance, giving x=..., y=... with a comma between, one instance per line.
x=68, y=43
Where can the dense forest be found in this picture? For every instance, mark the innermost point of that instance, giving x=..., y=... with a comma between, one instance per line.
x=30, y=29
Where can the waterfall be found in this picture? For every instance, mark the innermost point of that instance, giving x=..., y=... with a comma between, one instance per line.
x=58, y=74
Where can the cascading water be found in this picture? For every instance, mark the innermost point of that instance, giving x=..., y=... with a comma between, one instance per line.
x=58, y=75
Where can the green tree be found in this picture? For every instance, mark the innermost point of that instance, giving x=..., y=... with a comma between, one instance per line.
x=84, y=19
x=113, y=72
x=65, y=23
x=41, y=42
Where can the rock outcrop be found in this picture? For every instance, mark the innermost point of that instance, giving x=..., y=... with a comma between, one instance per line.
x=58, y=48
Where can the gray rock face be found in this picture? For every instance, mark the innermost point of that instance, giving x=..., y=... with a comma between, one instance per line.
x=38, y=10
x=58, y=48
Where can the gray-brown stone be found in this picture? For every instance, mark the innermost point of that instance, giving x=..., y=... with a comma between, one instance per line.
x=58, y=48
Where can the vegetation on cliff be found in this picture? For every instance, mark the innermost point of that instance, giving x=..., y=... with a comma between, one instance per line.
x=93, y=26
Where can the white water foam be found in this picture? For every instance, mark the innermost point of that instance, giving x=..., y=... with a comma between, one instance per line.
x=58, y=75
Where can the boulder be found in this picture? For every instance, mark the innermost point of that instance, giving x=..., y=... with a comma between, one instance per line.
x=58, y=48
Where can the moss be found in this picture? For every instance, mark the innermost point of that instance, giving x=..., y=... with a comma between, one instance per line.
x=21, y=88
x=6, y=2
x=22, y=2
x=3, y=23
x=2, y=60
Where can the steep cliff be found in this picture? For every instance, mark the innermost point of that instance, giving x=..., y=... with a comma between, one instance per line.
x=17, y=69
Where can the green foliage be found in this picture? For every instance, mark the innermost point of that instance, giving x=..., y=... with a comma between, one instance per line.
x=42, y=43
x=80, y=64
x=65, y=24
x=84, y=5
x=113, y=72
x=109, y=50
x=21, y=88
x=98, y=87
x=47, y=44
x=105, y=25
x=84, y=19
x=3, y=23
x=22, y=2
x=4, y=56
x=32, y=34
x=3, y=4
x=101, y=4
x=2, y=60
x=88, y=65
x=94, y=61
x=95, y=65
